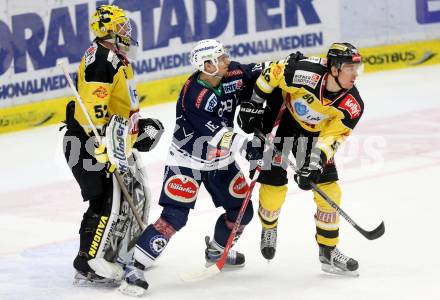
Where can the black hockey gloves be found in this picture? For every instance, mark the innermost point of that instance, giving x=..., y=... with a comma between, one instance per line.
x=150, y=131
x=254, y=149
x=250, y=116
x=310, y=171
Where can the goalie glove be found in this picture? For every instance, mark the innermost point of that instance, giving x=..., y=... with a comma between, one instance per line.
x=150, y=132
x=310, y=171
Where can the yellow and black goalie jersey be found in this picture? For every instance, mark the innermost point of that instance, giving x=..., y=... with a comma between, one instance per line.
x=303, y=85
x=107, y=87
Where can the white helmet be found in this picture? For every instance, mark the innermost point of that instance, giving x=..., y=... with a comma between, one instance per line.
x=204, y=51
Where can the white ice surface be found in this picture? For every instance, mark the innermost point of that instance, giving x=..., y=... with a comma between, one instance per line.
x=389, y=170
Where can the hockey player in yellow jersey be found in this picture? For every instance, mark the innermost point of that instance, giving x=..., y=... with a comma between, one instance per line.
x=323, y=107
x=106, y=85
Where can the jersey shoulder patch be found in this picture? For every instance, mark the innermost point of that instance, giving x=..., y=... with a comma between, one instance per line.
x=90, y=54
x=352, y=106
x=306, y=78
x=352, y=103
x=113, y=59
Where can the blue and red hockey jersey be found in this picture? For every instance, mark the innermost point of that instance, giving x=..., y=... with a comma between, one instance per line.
x=204, y=114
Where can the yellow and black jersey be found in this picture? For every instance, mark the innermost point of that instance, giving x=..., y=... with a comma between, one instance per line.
x=107, y=87
x=303, y=90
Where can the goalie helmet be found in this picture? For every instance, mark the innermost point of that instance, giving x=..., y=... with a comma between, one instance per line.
x=111, y=22
x=207, y=51
x=340, y=53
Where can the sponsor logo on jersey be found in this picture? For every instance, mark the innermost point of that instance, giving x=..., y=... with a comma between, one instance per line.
x=181, y=188
x=158, y=243
x=238, y=186
x=134, y=100
x=300, y=109
x=211, y=103
x=113, y=58
x=100, y=92
x=350, y=105
x=90, y=54
x=226, y=140
x=232, y=73
x=200, y=97
x=276, y=71
x=232, y=86
x=305, y=113
x=98, y=236
x=306, y=78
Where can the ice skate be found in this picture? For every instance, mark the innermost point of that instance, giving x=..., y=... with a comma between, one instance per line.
x=85, y=276
x=90, y=279
x=335, y=262
x=268, y=243
x=134, y=283
x=214, y=251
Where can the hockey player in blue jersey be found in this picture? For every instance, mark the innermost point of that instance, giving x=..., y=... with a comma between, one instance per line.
x=202, y=151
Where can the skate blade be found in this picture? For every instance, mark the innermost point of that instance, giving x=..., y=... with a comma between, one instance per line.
x=131, y=290
x=334, y=270
x=82, y=281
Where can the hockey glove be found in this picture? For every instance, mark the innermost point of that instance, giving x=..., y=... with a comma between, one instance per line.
x=150, y=131
x=250, y=116
x=102, y=157
x=254, y=149
x=311, y=171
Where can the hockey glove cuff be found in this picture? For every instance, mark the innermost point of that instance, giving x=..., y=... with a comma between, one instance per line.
x=254, y=149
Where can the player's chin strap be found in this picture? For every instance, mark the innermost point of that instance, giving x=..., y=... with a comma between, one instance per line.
x=337, y=79
x=371, y=235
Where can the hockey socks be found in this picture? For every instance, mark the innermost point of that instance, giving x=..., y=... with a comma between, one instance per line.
x=152, y=242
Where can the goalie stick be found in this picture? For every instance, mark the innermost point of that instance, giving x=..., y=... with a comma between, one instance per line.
x=218, y=266
x=371, y=235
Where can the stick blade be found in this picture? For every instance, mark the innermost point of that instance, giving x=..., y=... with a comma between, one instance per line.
x=201, y=274
x=375, y=233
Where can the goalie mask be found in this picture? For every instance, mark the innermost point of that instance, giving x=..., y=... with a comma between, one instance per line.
x=111, y=23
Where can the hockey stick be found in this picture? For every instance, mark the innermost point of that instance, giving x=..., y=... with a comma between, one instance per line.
x=218, y=266
x=371, y=235
x=99, y=139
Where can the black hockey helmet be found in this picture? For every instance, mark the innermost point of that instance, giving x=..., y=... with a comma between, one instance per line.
x=340, y=53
